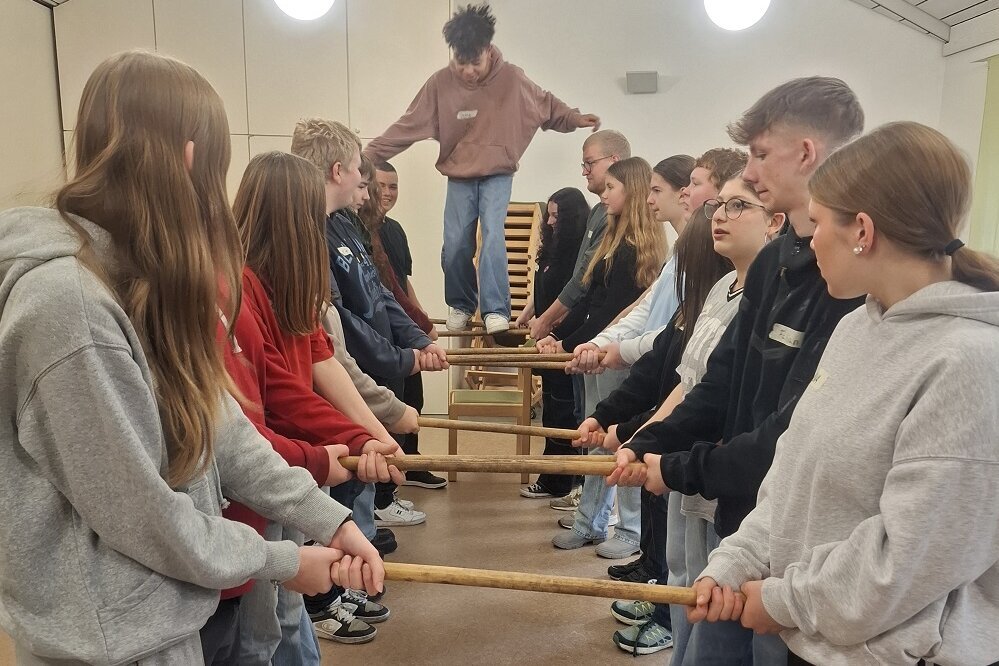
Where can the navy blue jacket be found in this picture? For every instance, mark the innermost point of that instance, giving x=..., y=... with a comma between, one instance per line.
x=378, y=332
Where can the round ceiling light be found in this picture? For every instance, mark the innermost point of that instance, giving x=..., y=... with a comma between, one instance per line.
x=736, y=14
x=305, y=10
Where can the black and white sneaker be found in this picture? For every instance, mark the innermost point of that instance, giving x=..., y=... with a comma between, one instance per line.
x=535, y=491
x=338, y=624
x=363, y=608
x=424, y=480
x=617, y=571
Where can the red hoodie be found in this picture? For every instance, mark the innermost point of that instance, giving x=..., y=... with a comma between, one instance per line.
x=273, y=371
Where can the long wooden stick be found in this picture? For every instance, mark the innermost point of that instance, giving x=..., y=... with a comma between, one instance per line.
x=537, y=365
x=513, y=580
x=488, y=351
x=500, y=465
x=505, y=428
x=481, y=333
x=500, y=357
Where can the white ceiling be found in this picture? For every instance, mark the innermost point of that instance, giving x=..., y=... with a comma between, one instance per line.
x=930, y=17
x=933, y=17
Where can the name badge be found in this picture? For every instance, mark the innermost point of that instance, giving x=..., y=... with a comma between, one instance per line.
x=467, y=115
x=345, y=251
x=787, y=336
x=820, y=378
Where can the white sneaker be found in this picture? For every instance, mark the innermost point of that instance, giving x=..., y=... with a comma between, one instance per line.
x=404, y=503
x=457, y=320
x=396, y=514
x=496, y=323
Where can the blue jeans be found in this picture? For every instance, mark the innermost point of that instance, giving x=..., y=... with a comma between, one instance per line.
x=484, y=200
x=728, y=643
x=364, y=511
x=299, y=643
x=273, y=625
x=597, y=499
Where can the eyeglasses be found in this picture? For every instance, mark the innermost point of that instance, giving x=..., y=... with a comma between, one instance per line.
x=588, y=166
x=733, y=207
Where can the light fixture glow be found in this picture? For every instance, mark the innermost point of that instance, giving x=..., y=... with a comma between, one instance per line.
x=736, y=14
x=305, y=10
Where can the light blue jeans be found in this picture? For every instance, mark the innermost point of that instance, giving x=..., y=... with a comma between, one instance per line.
x=723, y=643
x=468, y=201
x=274, y=627
x=597, y=500
x=676, y=561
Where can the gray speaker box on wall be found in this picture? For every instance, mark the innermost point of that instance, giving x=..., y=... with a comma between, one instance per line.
x=642, y=82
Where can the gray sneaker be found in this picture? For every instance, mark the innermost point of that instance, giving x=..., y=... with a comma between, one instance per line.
x=647, y=638
x=615, y=549
x=571, y=541
x=568, y=503
x=568, y=521
x=632, y=612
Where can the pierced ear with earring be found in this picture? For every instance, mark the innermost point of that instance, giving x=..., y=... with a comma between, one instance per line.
x=859, y=249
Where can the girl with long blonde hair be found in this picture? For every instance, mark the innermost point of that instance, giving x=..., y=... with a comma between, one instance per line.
x=626, y=261
x=121, y=440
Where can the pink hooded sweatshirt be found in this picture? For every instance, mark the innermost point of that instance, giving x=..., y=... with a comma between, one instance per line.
x=483, y=128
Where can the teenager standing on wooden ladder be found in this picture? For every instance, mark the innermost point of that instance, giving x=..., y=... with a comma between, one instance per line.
x=484, y=112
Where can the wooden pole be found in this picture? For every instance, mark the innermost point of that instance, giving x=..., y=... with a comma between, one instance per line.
x=505, y=428
x=489, y=351
x=512, y=580
x=498, y=358
x=481, y=333
x=581, y=466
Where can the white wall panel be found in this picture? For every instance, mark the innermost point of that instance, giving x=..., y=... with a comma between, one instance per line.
x=30, y=141
x=394, y=46
x=240, y=158
x=87, y=32
x=294, y=69
x=263, y=144
x=209, y=37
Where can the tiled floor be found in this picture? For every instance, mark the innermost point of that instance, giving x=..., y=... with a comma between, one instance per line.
x=482, y=522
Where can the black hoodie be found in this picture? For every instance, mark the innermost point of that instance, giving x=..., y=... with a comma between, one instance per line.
x=754, y=378
x=651, y=379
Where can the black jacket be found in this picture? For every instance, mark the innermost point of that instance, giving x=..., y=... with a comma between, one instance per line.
x=651, y=379
x=761, y=366
x=378, y=332
x=606, y=295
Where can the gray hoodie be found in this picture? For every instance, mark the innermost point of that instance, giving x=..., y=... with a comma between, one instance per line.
x=877, y=527
x=100, y=560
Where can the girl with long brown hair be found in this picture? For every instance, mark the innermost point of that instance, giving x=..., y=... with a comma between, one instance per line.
x=280, y=213
x=874, y=539
x=121, y=438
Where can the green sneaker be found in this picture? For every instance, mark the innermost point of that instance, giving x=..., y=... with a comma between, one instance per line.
x=648, y=638
x=632, y=612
